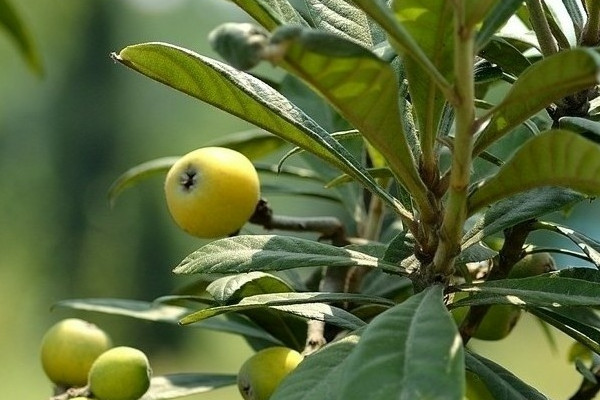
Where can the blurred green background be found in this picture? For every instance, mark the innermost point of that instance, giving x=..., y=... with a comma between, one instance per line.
x=66, y=136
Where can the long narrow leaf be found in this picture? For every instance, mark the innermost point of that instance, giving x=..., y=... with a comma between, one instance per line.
x=501, y=383
x=150, y=311
x=518, y=208
x=554, y=158
x=541, y=84
x=361, y=86
x=179, y=385
x=271, y=13
x=382, y=364
x=273, y=253
x=306, y=305
x=242, y=95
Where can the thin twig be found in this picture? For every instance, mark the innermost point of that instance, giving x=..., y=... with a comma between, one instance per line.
x=330, y=228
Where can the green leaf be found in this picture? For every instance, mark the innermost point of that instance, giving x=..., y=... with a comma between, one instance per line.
x=271, y=13
x=505, y=55
x=501, y=383
x=574, y=322
x=320, y=375
x=401, y=39
x=541, y=84
x=495, y=19
x=289, y=171
x=179, y=385
x=273, y=253
x=518, y=208
x=16, y=29
x=583, y=126
x=307, y=305
x=430, y=23
x=242, y=95
x=589, y=246
x=150, y=311
x=343, y=19
x=576, y=13
x=547, y=290
x=353, y=79
x=383, y=365
x=554, y=158
x=253, y=143
x=138, y=173
x=231, y=289
x=296, y=191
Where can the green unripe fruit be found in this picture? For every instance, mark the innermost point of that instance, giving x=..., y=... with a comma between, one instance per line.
x=212, y=192
x=532, y=265
x=500, y=319
x=68, y=350
x=260, y=375
x=122, y=373
x=497, y=323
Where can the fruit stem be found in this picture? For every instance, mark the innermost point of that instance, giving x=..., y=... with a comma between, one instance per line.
x=62, y=394
x=330, y=228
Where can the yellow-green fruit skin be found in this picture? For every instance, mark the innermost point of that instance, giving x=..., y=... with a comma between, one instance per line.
x=497, y=323
x=211, y=192
x=68, y=350
x=121, y=373
x=260, y=375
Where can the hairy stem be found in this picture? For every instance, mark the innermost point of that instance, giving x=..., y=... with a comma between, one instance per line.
x=541, y=27
x=591, y=31
x=455, y=213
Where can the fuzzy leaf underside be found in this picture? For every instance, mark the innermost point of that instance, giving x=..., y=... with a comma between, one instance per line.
x=306, y=305
x=273, y=253
x=246, y=97
x=361, y=86
x=271, y=13
x=156, y=312
x=430, y=23
x=179, y=385
x=521, y=207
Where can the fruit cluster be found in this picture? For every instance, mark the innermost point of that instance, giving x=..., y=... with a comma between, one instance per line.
x=78, y=358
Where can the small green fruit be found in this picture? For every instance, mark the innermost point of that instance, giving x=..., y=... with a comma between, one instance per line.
x=260, y=375
x=121, y=373
x=497, y=323
x=532, y=265
x=68, y=350
x=212, y=192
